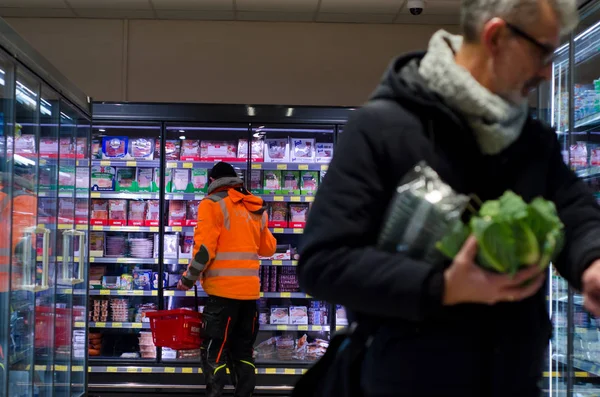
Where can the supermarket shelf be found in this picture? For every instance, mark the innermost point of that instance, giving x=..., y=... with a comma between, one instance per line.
x=196, y=164
x=66, y=162
x=290, y=166
x=116, y=325
x=588, y=120
x=278, y=263
x=62, y=194
x=299, y=295
x=125, y=195
x=132, y=261
x=279, y=230
x=62, y=226
x=112, y=292
x=590, y=172
x=187, y=370
x=58, y=259
x=127, y=163
x=587, y=368
x=179, y=228
x=150, y=229
x=283, y=327
x=201, y=294
x=184, y=196
x=287, y=199
x=16, y=358
x=58, y=368
x=175, y=261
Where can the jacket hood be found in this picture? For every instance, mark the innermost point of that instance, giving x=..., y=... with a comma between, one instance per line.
x=224, y=183
x=252, y=203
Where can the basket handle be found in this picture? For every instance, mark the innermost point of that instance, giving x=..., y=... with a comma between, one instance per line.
x=195, y=295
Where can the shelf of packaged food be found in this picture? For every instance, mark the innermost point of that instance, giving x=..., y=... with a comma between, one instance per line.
x=198, y=164
x=39, y=258
x=187, y=370
x=176, y=261
x=150, y=229
x=125, y=195
x=62, y=226
x=180, y=294
x=132, y=261
x=593, y=118
x=290, y=166
x=116, y=292
x=300, y=295
x=284, y=327
x=586, y=368
x=127, y=163
x=116, y=325
x=281, y=230
x=179, y=229
x=184, y=196
x=63, y=194
x=65, y=162
x=278, y=263
x=287, y=199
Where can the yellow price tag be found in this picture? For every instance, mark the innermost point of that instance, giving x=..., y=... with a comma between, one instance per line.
x=138, y=292
x=278, y=230
x=60, y=368
x=298, y=231
x=81, y=227
x=177, y=228
x=95, y=194
x=134, y=228
x=78, y=368
x=286, y=294
x=324, y=167
x=112, y=370
x=169, y=370
x=100, y=325
x=146, y=370
x=121, y=260
x=294, y=263
x=309, y=199
x=289, y=371
x=136, y=325
x=183, y=261
x=132, y=369
x=79, y=324
x=295, y=199
x=169, y=293
x=303, y=167
x=270, y=371
x=257, y=166
x=131, y=164
x=282, y=166
x=190, y=293
x=104, y=292
x=105, y=163
x=187, y=370
x=171, y=164
x=278, y=198
x=96, y=227
x=178, y=197
x=92, y=259
x=282, y=327
x=154, y=229
x=68, y=291
x=277, y=263
x=117, y=325
x=188, y=165
x=304, y=328
x=64, y=226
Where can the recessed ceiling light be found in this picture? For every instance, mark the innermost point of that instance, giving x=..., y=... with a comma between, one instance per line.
x=182, y=137
x=102, y=130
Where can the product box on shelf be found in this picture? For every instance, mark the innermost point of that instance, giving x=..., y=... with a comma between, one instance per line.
x=218, y=151
x=125, y=180
x=65, y=148
x=152, y=213
x=171, y=245
x=141, y=148
x=96, y=244
x=99, y=212
x=298, y=315
x=277, y=151
x=199, y=180
x=181, y=181
x=142, y=279
x=48, y=148
x=186, y=246
x=280, y=315
x=114, y=147
x=172, y=149
x=192, y=212
x=66, y=210
x=272, y=182
x=258, y=146
x=256, y=182
x=283, y=252
x=168, y=180
x=137, y=213
x=66, y=178
x=96, y=149
x=82, y=178
x=47, y=210
x=278, y=215
x=103, y=178
x=25, y=145
x=111, y=282
x=309, y=182
x=302, y=150
x=156, y=180
x=177, y=212
x=340, y=315
x=117, y=212
x=155, y=282
x=324, y=152
x=290, y=182
x=81, y=148
x=81, y=211
x=145, y=180
x=190, y=150
x=298, y=215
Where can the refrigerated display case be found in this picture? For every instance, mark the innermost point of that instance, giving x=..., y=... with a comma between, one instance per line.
x=45, y=126
x=282, y=156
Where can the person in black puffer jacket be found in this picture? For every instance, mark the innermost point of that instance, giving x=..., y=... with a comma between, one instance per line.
x=461, y=107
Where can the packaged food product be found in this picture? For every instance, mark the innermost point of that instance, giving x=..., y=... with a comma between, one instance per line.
x=188, y=244
x=141, y=148
x=302, y=150
x=177, y=210
x=114, y=147
x=99, y=212
x=47, y=178
x=25, y=145
x=258, y=147
x=157, y=149
x=190, y=150
x=126, y=282
x=299, y=315
x=125, y=180
x=155, y=281
x=200, y=180
x=309, y=182
x=96, y=149
x=340, y=315
x=47, y=210
x=157, y=182
x=595, y=156
x=272, y=182
x=579, y=156
x=110, y=282
x=291, y=182
x=181, y=180
x=171, y=246
x=141, y=245
x=66, y=178
x=81, y=148
x=218, y=150
x=324, y=152
x=102, y=178
x=280, y=315
x=97, y=244
x=277, y=151
x=137, y=213
x=256, y=182
x=168, y=180
x=172, y=149
x=152, y=213
x=298, y=215
x=192, y=213
x=66, y=210
x=65, y=148
x=81, y=211
x=278, y=216
x=117, y=212
x=48, y=148
x=82, y=178
x=142, y=279
x=144, y=179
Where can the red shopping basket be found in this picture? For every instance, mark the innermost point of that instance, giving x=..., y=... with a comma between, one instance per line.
x=177, y=329
x=57, y=319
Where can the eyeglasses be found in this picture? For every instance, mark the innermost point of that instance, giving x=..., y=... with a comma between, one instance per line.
x=546, y=50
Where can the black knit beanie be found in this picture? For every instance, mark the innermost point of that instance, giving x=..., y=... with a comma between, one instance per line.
x=222, y=170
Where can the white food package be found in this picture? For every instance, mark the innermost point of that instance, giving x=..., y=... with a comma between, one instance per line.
x=171, y=246
x=324, y=152
x=280, y=315
x=298, y=315
x=302, y=150
x=277, y=151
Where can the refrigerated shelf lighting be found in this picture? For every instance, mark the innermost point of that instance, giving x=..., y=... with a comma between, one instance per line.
x=251, y=111
x=290, y=112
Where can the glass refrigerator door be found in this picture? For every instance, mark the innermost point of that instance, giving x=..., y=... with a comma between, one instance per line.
x=585, y=161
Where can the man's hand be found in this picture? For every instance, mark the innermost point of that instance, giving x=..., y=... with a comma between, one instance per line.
x=465, y=282
x=182, y=287
x=591, y=288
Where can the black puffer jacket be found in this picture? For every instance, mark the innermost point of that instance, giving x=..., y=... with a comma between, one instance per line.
x=402, y=124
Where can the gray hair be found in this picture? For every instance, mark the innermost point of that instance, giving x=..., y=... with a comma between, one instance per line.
x=474, y=14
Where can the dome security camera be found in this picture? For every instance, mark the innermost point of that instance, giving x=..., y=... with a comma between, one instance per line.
x=416, y=6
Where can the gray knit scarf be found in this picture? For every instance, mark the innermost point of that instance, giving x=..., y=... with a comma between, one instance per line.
x=495, y=122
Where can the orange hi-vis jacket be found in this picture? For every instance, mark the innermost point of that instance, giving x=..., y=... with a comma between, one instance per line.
x=231, y=234
x=23, y=211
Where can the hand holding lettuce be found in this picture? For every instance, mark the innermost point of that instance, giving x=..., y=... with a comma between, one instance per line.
x=511, y=234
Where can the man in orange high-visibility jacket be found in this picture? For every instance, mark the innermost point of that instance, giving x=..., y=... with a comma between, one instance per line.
x=231, y=234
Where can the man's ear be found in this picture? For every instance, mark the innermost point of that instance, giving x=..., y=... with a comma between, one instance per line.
x=491, y=35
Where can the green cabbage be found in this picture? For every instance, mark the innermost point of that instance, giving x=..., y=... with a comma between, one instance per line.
x=511, y=234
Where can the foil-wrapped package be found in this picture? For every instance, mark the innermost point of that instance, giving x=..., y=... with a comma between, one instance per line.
x=422, y=211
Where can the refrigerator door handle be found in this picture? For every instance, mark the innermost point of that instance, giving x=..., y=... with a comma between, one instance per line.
x=66, y=277
x=28, y=268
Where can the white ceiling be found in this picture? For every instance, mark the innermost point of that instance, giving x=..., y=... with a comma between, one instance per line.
x=353, y=11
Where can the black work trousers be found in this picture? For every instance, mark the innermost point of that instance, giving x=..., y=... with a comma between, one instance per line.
x=229, y=332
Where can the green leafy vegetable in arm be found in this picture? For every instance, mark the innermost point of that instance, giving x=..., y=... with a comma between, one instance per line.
x=454, y=240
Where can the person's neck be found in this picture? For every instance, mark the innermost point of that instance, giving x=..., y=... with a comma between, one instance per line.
x=469, y=57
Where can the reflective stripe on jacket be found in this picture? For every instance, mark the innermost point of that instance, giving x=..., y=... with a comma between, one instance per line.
x=231, y=234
